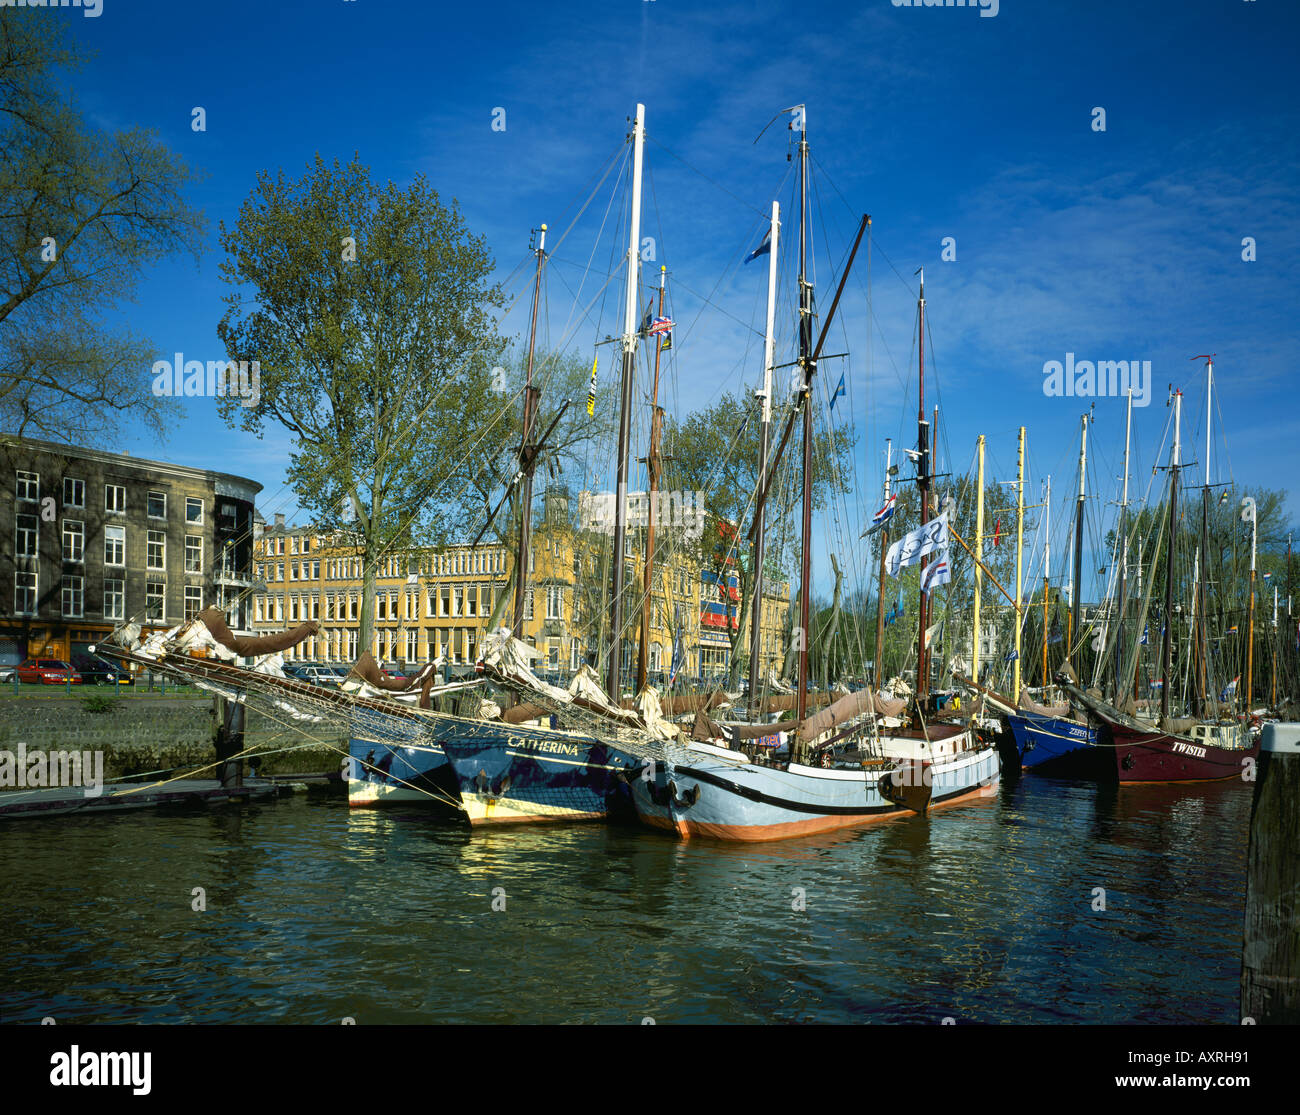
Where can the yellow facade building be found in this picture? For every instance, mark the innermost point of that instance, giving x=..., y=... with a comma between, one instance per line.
x=437, y=602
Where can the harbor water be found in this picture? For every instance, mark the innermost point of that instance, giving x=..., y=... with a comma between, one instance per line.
x=1050, y=902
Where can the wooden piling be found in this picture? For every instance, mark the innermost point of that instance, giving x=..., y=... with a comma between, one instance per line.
x=229, y=741
x=1270, y=962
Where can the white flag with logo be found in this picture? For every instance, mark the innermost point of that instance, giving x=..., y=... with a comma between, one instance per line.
x=937, y=573
x=911, y=548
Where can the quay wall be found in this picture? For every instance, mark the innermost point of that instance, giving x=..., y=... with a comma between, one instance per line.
x=160, y=733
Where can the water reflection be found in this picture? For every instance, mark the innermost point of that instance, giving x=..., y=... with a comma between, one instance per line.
x=985, y=912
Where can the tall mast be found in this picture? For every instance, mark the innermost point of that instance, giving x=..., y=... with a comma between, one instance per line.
x=1047, y=572
x=979, y=557
x=880, y=590
x=1166, y=642
x=1076, y=610
x=1020, y=549
x=1203, y=578
x=1250, y=637
x=760, y=542
x=653, y=466
x=526, y=453
x=923, y=488
x=625, y=415
x=809, y=370
x=1123, y=561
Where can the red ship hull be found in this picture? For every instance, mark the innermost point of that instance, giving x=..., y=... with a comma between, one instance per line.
x=1159, y=757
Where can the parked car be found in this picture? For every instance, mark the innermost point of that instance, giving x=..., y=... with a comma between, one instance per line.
x=99, y=671
x=8, y=673
x=48, y=671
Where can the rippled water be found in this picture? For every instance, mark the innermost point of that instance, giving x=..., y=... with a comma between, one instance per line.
x=315, y=912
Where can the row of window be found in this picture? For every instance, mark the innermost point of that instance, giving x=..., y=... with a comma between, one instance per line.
x=27, y=544
x=440, y=602
x=28, y=487
x=114, y=607
x=457, y=645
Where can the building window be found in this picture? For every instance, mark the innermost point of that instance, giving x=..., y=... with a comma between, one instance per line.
x=74, y=492
x=381, y=606
x=115, y=545
x=279, y=571
x=457, y=599
x=471, y=600
x=25, y=536
x=115, y=499
x=73, y=597
x=114, y=598
x=528, y=604
x=575, y=650
x=155, y=595
x=74, y=540
x=553, y=654
x=412, y=647
x=193, y=511
x=157, y=505
x=29, y=486
x=193, y=601
x=25, y=594
x=156, y=555
x=554, y=602
x=193, y=554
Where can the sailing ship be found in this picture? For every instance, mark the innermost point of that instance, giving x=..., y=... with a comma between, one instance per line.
x=1191, y=749
x=832, y=777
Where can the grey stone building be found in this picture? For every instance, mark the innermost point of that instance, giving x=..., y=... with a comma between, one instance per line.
x=93, y=539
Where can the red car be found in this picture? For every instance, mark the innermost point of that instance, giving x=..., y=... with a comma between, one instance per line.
x=48, y=671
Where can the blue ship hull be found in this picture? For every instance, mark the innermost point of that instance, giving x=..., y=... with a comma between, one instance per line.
x=511, y=774
x=398, y=762
x=1054, y=745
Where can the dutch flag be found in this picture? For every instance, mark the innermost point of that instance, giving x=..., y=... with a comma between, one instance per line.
x=882, y=516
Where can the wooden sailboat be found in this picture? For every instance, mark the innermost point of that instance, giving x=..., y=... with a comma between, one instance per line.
x=831, y=779
x=1172, y=750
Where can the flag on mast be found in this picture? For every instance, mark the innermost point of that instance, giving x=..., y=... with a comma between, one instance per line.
x=936, y=573
x=911, y=548
x=881, y=517
x=765, y=248
x=839, y=390
x=591, y=391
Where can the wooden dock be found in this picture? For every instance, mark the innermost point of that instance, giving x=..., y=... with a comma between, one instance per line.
x=183, y=793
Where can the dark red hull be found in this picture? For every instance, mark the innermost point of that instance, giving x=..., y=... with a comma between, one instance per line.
x=1159, y=757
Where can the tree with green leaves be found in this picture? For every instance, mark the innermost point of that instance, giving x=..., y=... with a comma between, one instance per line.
x=85, y=212
x=368, y=310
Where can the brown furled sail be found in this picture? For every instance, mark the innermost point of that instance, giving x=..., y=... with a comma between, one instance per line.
x=367, y=669
x=846, y=708
x=250, y=646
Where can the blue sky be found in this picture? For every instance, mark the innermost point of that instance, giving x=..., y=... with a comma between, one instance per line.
x=941, y=122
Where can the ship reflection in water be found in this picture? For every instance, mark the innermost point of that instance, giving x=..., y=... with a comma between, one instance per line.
x=1050, y=902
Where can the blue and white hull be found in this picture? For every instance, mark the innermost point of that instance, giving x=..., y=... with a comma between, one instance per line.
x=398, y=762
x=512, y=774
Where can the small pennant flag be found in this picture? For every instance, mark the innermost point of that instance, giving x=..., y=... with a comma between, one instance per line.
x=895, y=612
x=839, y=391
x=1230, y=688
x=1012, y=656
x=661, y=325
x=936, y=574
x=997, y=532
x=1267, y=576
x=1145, y=632
x=1231, y=630
x=882, y=516
x=591, y=391
x=765, y=248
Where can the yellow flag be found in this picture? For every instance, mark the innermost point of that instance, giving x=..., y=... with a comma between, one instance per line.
x=591, y=393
